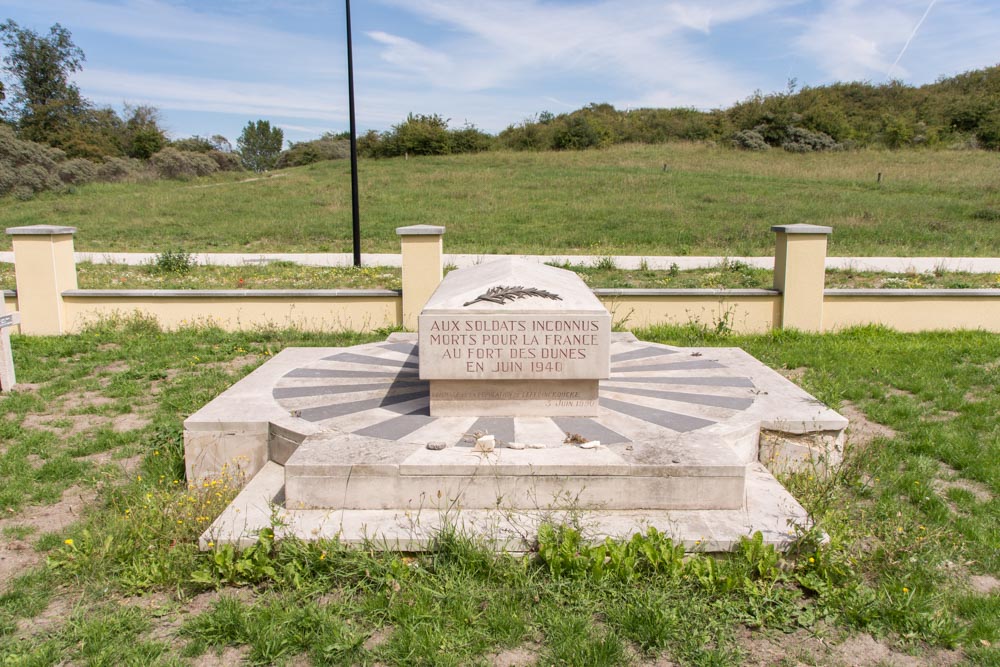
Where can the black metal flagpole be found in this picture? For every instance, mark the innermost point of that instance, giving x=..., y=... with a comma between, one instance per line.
x=354, y=144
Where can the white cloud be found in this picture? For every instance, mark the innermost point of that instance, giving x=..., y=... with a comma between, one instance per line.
x=855, y=40
x=216, y=95
x=648, y=48
x=185, y=32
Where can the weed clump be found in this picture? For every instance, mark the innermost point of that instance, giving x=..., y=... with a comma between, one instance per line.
x=178, y=262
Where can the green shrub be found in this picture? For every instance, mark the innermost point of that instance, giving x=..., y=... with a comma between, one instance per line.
x=77, y=171
x=327, y=147
x=750, y=140
x=226, y=161
x=578, y=132
x=193, y=144
x=32, y=176
x=182, y=165
x=117, y=169
x=801, y=140
x=470, y=139
x=419, y=134
x=526, y=136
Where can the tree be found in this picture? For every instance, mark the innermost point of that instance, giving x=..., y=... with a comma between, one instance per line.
x=260, y=145
x=41, y=94
x=140, y=134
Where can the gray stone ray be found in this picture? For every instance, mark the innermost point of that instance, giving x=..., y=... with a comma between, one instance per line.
x=323, y=412
x=359, y=420
x=709, y=412
x=395, y=389
x=633, y=428
x=442, y=428
x=670, y=420
x=731, y=402
x=589, y=429
x=396, y=428
x=701, y=381
x=342, y=373
x=501, y=427
x=641, y=353
x=423, y=407
x=409, y=349
x=675, y=366
x=353, y=358
x=330, y=389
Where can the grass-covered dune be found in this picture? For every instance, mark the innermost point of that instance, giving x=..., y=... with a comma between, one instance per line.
x=671, y=199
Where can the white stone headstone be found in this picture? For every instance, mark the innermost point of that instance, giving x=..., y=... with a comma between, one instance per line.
x=516, y=338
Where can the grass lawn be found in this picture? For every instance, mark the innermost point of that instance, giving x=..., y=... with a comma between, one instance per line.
x=98, y=528
x=672, y=199
x=286, y=275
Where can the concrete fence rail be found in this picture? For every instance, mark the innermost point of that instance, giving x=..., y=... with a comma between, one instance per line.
x=50, y=302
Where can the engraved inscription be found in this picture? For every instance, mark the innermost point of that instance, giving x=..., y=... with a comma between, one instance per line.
x=513, y=347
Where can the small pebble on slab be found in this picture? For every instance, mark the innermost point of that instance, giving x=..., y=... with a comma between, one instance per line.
x=486, y=443
x=436, y=445
x=516, y=445
x=590, y=444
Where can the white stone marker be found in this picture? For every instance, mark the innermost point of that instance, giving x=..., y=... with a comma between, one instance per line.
x=514, y=338
x=7, y=320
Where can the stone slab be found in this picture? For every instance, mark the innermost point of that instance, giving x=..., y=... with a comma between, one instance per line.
x=484, y=490
x=768, y=508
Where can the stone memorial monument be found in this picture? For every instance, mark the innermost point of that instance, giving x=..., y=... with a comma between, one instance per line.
x=491, y=346
x=514, y=404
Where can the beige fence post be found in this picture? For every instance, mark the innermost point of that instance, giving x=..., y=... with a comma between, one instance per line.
x=45, y=267
x=800, y=274
x=423, y=268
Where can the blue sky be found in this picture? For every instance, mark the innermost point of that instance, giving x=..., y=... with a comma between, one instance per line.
x=211, y=66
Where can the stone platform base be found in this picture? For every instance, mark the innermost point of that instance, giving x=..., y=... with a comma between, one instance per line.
x=336, y=443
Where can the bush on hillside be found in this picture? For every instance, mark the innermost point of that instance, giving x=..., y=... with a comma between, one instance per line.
x=226, y=161
x=26, y=167
x=801, y=140
x=578, y=132
x=327, y=147
x=182, y=165
x=750, y=140
x=118, y=169
x=423, y=134
x=77, y=171
x=469, y=139
x=527, y=136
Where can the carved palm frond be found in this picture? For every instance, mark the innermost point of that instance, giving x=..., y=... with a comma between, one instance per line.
x=501, y=294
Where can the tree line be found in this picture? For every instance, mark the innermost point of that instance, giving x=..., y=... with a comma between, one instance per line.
x=51, y=136
x=957, y=112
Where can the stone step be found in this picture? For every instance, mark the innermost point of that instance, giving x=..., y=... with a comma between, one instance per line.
x=344, y=472
x=768, y=508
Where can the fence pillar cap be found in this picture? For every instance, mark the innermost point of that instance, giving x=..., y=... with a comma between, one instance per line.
x=802, y=229
x=40, y=230
x=420, y=230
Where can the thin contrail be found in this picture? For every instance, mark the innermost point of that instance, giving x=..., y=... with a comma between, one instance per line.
x=910, y=38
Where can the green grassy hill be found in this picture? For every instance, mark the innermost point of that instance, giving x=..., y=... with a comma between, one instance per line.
x=630, y=199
